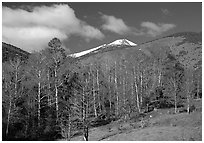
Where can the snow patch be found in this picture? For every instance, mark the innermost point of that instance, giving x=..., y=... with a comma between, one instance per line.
x=75, y=55
x=123, y=42
x=120, y=42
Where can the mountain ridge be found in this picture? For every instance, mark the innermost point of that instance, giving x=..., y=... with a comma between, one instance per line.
x=119, y=42
x=185, y=46
x=11, y=51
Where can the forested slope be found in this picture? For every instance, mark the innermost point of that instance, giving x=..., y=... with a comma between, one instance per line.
x=54, y=96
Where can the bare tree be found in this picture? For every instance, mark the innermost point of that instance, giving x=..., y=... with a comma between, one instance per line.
x=37, y=71
x=57, y=56
x=13, y=75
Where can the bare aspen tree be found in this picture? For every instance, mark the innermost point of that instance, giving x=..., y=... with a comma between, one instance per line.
x=124, y=103
x=93, y=90
x=154, y=75
x=160, y=74
x=16, y=67
x=12, y=76
x=6, y=78
x=188, y=87
x=136, y=89
x=116, y=89
x=110, y=96
x=98, y=88
x=175, y=96
x=49, y=97
x=141, y=86
x=37, y=72
x=8, y=90
x=132, y=88
x=9, y=114
x=125, y=89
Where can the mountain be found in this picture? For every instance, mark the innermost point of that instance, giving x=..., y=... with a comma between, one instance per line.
x=186, y=47
x=159, y=58
x=105, y=47
x=122, y=42
x=10, y=51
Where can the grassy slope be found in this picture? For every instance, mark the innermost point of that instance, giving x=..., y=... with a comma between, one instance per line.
x=163, y=125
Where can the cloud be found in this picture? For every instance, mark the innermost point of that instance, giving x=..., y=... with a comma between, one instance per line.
x=31, y=38
x=116, y=25
x=153, y=29
x=165, y=11
x=32, y=30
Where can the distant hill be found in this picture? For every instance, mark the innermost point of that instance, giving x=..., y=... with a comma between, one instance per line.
x=9, y=52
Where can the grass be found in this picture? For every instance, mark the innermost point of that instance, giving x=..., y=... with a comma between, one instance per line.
x=161, y=126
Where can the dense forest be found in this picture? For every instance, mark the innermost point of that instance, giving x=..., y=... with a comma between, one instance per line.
x=52, y=96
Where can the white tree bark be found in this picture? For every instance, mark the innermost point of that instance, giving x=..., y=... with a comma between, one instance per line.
x=94, y=91
x=136, y=89
x=116, y=91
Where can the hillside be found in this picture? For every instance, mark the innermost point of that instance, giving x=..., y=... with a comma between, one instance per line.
x=186, y=47
x=179, y=51
x=116, y=91
x=160, y=125
x=10, y=51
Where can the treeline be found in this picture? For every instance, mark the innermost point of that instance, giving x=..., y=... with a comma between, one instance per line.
x=52, y=96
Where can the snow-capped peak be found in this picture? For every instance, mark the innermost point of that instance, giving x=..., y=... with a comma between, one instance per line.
x=86, y=52
x=119, y=42
x=123, y=42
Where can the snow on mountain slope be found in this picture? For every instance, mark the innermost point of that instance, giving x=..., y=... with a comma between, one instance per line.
x=120, y=42
x=123, y=42
x=86, y=52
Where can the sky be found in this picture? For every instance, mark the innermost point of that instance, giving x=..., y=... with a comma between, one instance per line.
x=84, y=25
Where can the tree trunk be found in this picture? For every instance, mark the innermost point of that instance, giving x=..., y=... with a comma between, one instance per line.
x=56, y=100
x=94, y=92
x=132, y=93
x=159, y=78
x=97, y=83
x=188, y=97
x=39, y=92
x=85, y=122
x=141, y=87
x=124, y=103
x=94, y=96
x=188, y=105
x=154, y=76
x=136, y=89
x=56, y=92
x=15, y=86
x=83, y=104
x=69, y=128
x=49, y=91
x=9, y=113
x=116, y=91
x=175, y=97
x=110, y=98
